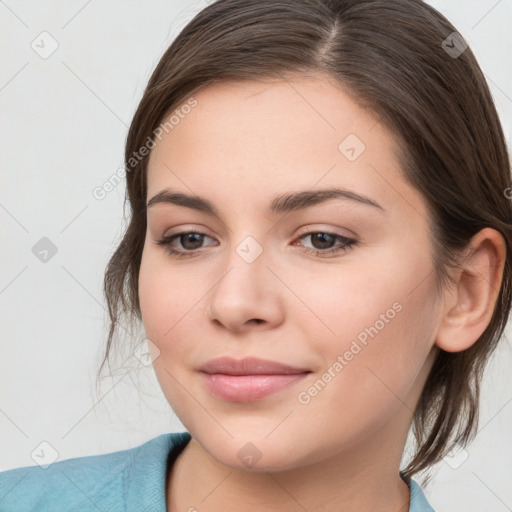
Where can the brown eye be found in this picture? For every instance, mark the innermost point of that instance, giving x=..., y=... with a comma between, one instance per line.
x=191, y=241
x=322, y=240
x=184, y=244
x=323, y=243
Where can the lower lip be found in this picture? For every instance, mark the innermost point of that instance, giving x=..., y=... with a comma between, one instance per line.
x=248, y=388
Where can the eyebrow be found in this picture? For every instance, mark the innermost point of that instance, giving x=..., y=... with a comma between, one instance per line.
x=281, y=204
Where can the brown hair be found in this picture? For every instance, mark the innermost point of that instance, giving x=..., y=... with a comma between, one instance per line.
x=390, y=56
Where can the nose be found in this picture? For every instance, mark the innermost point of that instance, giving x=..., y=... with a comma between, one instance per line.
x=247, y=296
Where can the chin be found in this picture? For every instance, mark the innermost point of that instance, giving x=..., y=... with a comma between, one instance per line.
x=248, y=453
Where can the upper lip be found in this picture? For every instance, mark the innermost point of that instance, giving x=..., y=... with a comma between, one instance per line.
x=249, y=366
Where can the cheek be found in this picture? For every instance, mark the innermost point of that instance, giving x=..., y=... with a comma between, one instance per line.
x=165, y=302
x=338, y=304
x=377, y=318
x=393, y=346
x=369, y=377
x=170, y=317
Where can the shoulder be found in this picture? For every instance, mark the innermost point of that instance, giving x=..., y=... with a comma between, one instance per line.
x=106, y=482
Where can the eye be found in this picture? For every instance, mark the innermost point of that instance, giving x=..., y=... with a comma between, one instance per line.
x=190, y=241
x=324, y=243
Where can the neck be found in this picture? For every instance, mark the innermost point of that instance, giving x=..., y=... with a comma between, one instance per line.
x=350, y=480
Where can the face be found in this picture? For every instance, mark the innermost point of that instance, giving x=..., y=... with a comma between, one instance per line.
x=339, y=286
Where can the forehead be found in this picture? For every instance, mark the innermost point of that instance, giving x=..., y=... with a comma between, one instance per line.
x=254, y=138
x=288, y=119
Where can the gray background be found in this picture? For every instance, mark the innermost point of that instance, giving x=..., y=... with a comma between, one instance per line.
x=64, y=120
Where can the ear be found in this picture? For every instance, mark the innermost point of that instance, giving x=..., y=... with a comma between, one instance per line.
x=469, y=305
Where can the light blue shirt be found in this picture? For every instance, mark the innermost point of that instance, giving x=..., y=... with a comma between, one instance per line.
x=131, y=480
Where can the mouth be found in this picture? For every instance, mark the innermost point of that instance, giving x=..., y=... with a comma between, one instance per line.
x=248, y=379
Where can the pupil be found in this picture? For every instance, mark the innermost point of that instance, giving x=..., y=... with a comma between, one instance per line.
x=324, y=239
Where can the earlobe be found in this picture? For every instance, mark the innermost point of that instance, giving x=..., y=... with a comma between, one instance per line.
x=471, y=302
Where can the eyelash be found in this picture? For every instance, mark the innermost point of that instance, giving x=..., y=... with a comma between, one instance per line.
x=348, y=243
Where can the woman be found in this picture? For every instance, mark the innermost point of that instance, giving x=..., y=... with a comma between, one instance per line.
x=319, y=251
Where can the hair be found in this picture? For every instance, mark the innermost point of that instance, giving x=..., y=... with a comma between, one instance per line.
x=390, y=57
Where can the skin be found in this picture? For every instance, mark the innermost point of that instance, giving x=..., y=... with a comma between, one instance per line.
x=243, y=144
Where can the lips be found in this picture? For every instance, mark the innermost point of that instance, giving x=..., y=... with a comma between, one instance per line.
x=248, y=379
x=249, y=366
